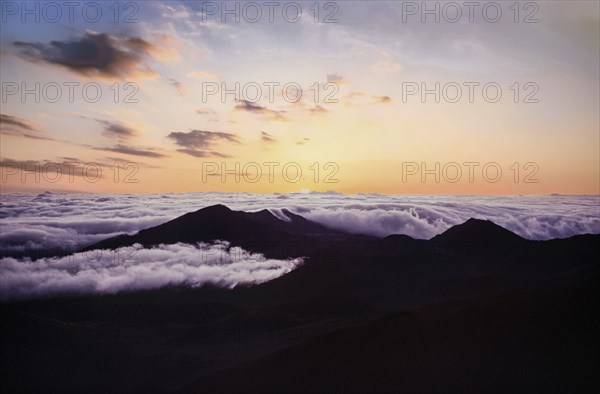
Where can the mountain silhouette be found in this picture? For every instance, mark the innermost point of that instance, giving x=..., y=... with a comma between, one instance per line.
x=256, y=229
x=478, y=233
x=218, y=222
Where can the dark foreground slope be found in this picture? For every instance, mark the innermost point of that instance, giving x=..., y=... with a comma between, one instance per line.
x=475, y=309
x=524, y=343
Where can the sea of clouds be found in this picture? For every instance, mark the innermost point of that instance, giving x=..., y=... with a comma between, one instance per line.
x=68, y=222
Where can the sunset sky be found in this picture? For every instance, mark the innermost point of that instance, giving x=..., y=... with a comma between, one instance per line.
x=370, y=136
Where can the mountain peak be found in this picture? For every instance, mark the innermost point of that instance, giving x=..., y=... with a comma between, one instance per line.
x=473, y=220
x=218, y=222
x=215, y=208
x=477, y=232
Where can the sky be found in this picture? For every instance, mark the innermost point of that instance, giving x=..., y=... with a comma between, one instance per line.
x=142, y=97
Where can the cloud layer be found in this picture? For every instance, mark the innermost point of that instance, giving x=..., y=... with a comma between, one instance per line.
x=64, y=223
x=72, y=221
x=137, y=268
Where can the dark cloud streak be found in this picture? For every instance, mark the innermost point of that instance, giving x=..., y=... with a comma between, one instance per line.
x=13, y=122
x=197, y=143
x=126, y=150
x=93, y=55
x=119, y=130
x=266, y=137
x=249, y=106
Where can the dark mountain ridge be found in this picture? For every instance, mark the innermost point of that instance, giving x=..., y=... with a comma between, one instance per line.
x=218, y=222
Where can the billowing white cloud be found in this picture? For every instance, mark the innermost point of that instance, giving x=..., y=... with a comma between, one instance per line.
x=72, y=221
x=138, y=268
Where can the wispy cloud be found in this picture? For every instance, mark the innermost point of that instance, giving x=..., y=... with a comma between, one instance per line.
x=270, y=114
x=205, y=111
x=268, y=138
x=203, y=153
x=199, y=143
x=37, y=137
x=337, y=79
x=317, y=110
x=356, y=99
x=387, y=64
x=117, y=129
x=178, y=85
x=8, y=122
x=127, y=150
x=13, y=125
